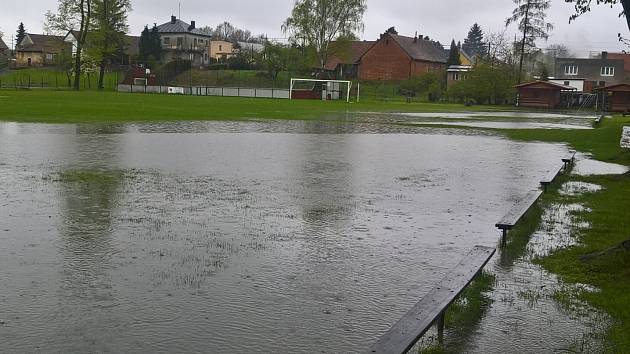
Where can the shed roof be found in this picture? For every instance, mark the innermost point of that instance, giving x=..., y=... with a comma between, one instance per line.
x=179, y=26
x=3, y=46
x=550, y=85
x=616, y=88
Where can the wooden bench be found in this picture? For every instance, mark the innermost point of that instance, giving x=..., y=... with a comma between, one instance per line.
x=550, y=177
x=569, y=159
x=406, y=332
x=517, y=212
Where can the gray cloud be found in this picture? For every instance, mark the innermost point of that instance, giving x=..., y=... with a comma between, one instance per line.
x=439, y=19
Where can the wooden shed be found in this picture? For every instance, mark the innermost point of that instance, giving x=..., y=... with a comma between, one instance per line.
x=541, y=94
x=617, y=97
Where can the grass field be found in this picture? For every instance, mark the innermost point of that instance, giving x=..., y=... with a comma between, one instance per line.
x=97, y=107
x=52, y=78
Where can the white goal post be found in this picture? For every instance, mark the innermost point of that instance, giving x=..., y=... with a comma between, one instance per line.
x=329, y=84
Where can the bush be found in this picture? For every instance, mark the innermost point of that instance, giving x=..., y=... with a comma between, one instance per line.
x=485, y=84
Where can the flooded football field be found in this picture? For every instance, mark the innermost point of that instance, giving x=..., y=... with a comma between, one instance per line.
x=240, y=237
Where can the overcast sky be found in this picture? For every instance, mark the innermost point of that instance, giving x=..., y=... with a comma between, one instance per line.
x=439, y=19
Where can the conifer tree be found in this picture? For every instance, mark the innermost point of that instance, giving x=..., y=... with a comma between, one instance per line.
x=474, y=43
x=21, y=33
x=453, y=56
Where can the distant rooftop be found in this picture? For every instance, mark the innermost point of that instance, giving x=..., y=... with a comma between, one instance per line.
x=178, y=26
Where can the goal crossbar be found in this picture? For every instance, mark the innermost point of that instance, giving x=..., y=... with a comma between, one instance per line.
x=349, y=83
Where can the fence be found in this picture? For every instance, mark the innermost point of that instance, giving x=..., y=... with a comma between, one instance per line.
x=251, y=92
x=49, y=79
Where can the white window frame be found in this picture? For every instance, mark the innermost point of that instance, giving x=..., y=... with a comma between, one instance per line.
x=607, y=71
x=571, y=70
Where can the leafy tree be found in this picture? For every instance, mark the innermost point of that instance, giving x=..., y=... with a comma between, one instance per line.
x=474, y=43
x=77, y=16
x=530, y=15
x=543, y=72
x=453, y=56
x=431, y=84
x=317, y=23
x=486, y=84
x=21, y=33
x=108, y=37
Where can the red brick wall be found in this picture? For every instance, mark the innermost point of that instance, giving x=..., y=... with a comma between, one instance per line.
x=385, y=61
x=389, y=62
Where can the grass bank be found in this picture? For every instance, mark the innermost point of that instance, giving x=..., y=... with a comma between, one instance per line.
x=607, y=214
x=54, y=78
x=49, y=106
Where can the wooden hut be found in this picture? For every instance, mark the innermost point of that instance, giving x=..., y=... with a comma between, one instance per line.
x=541, y=94
x=617, y=97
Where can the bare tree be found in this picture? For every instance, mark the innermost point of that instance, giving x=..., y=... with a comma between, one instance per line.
x=76, y=16
x=317, y=23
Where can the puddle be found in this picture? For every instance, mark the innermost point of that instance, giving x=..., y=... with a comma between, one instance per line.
x=484, y=115
x=506, y=125
x=227, y=236
x=574, y=188
x=588, y=167
x=625, y=138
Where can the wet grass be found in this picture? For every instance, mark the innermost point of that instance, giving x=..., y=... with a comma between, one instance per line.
x=607, y=213
x=463, y=315
x=49, y=106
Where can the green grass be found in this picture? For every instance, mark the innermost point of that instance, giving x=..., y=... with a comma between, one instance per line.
x=233, y=78
x=610, y=225
x=50, y=106
x=53, y=78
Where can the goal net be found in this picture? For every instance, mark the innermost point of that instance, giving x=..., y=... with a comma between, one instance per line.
x=326, y=90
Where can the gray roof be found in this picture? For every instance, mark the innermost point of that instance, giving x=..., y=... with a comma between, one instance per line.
x=256, y=47
x=3, y=46
x=421, y=49
x=180, y=27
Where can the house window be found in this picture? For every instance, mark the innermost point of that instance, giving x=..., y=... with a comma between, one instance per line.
x=455, y=76
x=608, y=71
x=220, y=48
x=566, y=83
x=180, y=41
x=570, y=70
x=50, y=56
x=167, y=40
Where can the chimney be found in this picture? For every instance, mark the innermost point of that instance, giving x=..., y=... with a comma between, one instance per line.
x=415, y=38
x=173, y=19
x=192, y=25
x=604, y=55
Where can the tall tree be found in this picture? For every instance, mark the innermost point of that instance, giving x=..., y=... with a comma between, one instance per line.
x=530, y=15
x=145, y=44
x=474, y=43
x=156, y=43
x=21, y=33
x=317, y=23
x=76, y=16
x=108, y=38
x=453, y=56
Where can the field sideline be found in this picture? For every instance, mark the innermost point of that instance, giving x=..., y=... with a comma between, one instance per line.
x=48, y=106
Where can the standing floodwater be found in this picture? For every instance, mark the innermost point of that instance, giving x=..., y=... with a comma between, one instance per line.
x=239, y=237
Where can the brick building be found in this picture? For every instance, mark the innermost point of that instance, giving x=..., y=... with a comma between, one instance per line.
x=394, y=58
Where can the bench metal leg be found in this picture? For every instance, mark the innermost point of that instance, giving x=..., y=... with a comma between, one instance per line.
x=440, y=327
